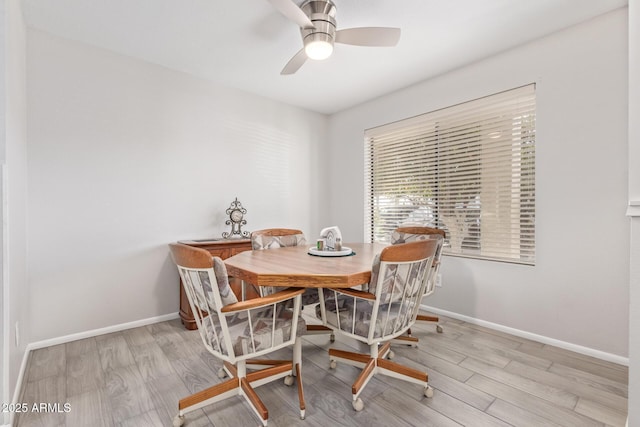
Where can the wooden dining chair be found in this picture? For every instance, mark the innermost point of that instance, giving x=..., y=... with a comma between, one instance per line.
x=272, y=238
x=411, y=234
x=398, y=278
x=237, y=332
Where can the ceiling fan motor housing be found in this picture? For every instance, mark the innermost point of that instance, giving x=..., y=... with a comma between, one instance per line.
x=317, y=22
x=323, y=15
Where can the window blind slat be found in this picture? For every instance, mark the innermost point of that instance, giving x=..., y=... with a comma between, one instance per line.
x=469, y=169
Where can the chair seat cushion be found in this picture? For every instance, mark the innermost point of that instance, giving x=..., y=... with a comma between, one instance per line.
x=392, y=318
x=265, y=334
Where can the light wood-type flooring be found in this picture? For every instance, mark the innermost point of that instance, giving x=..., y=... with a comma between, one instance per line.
x=480, y=378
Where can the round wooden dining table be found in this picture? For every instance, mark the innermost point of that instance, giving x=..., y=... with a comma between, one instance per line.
x=294, y=266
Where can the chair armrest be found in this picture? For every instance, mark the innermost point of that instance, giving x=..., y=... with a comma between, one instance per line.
x=355, y=293
x=264, y=301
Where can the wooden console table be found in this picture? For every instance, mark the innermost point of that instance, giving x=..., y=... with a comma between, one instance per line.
x=223, y=248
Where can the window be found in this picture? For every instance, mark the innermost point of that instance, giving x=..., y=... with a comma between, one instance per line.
x=468, y=169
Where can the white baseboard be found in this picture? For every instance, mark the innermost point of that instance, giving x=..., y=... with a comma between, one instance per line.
x=609, y=357
x=107, y=330
x=18, y=390
x=73, y=337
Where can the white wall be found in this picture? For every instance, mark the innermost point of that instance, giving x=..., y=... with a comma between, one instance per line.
x=14, y=199
x=5, y=393
x=634, y=195
x=126, y=157
x=578, y=291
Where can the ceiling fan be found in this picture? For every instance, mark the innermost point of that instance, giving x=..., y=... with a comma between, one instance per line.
x=317, y=22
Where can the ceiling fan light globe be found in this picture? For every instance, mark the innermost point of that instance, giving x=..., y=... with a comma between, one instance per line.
x=318, y=49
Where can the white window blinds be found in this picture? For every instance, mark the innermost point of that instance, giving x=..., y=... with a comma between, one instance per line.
x=468, y=169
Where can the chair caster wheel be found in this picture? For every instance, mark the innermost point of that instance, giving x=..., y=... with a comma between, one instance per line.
x=222, y=373
x=391, y=355
x=288, y=380
x=358, y=405
x=428, y=391
x=333, y=364
x=332, y=337
x=178, y=420
x=439, y=329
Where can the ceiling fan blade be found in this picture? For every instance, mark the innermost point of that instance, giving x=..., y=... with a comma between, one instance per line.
x=291, y=11
x=295, y=63
x=369, y=36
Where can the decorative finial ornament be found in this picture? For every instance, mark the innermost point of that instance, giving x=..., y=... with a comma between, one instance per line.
x=236, y=221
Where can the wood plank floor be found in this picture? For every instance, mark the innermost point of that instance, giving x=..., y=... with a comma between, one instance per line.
x=481, y=378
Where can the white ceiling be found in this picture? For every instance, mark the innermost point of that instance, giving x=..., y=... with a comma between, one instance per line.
x=245, y=43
